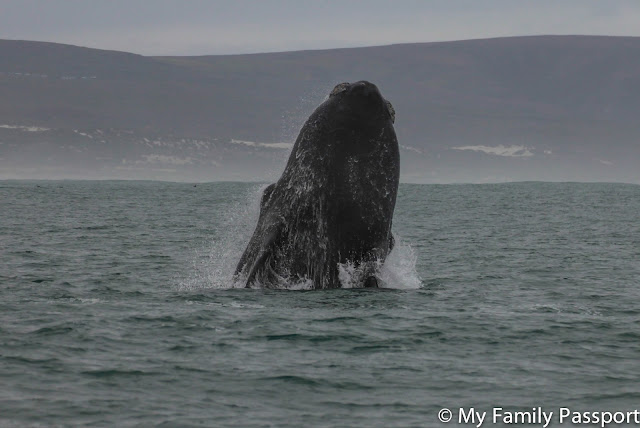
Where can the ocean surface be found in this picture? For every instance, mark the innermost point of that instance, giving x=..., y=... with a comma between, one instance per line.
x=117, y=310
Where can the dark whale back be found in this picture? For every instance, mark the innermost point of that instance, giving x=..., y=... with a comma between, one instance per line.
x=334, y=202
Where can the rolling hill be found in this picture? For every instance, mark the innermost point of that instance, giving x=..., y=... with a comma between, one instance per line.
x=518, y=108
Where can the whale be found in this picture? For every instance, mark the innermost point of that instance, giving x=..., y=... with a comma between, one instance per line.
x=326, y=222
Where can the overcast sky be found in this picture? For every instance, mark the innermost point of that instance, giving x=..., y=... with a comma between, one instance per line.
x=199, y=27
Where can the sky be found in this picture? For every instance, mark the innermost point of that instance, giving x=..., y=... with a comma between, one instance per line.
x=207, y=27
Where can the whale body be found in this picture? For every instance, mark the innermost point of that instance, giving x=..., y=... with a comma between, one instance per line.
x=331, y=210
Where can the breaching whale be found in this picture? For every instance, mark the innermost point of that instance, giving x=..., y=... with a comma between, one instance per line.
x=332, y=208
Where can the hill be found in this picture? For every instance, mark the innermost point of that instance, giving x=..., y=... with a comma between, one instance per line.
x=523, y=108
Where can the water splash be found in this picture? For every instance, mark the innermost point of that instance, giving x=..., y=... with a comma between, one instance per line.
x=285, y=283
x=399, y=270
x=214, y=265
x=349, y=275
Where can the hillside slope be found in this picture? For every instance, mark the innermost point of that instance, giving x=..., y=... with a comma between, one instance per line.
x=545, y=107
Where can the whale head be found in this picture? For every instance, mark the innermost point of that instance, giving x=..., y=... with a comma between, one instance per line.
x=363, y=99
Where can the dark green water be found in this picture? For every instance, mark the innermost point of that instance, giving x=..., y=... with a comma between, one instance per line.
x=115, y=310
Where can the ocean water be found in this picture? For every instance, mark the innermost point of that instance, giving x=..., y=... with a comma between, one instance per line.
x=116, y=309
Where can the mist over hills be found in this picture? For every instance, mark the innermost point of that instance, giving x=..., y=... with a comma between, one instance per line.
x=517, y=108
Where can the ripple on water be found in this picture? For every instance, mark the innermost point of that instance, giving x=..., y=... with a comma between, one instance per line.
x=528, y=298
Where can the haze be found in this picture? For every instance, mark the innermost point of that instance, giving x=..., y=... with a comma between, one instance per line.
x=203, y=27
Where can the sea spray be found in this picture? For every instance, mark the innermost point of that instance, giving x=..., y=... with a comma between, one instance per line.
x=213, y=265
